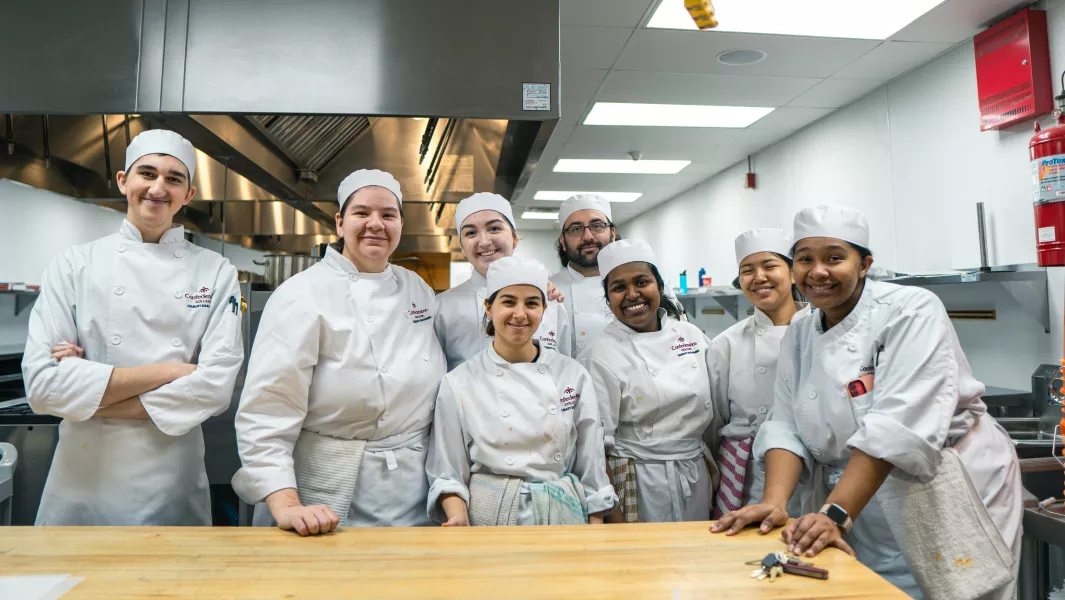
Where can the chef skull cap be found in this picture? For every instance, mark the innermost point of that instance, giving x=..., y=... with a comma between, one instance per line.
x=511, y=270
x=366, y=178
x=618, y=253
x=483, y=201
x=765, y=239
x=835, y=222
x=162, y=141
x=582, y=202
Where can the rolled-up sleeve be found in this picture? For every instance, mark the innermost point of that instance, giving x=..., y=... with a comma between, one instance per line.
x=72, y=388
x=447, y=464
x=781, y=431
x=274, y=402
x=915, y=392
x=590, y=463
x=608, y=395
x=179, y=406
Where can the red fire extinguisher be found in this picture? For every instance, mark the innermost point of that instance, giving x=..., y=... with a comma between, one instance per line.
x=1047, y=153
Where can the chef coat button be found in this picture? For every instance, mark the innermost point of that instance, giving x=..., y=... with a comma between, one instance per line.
x=119, y=291
x=811, y=395
x=179, y=254
x=761, y=370
x=853, y=347
x=480, y=294
x=760, y=331
x=499, y=372
x=353, y=277
x=542, y=369
x=706, y=404
x=175, y=342
x=580, y=345
x=504, y=413
x=552, y=410
x=510, y=461
x=425, y=357
x=369, y=319
x=695, y=364
x=121, y=248
x=654, y=373
x=815, y=452
x=762, y=410
x=432, y=406
x=384, y=369
x=116, y=339
x=178, y=294
x=383, y=416
x=558, y=457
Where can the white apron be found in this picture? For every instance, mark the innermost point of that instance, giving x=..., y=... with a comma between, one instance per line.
x=128, y=304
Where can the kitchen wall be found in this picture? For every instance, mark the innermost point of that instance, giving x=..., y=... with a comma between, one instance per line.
x=536, y=245
x=911, y=156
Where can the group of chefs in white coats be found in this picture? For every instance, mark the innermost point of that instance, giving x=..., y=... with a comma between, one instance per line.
x=351, y=417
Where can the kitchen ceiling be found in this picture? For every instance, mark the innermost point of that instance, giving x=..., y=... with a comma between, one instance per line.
x=609, y=55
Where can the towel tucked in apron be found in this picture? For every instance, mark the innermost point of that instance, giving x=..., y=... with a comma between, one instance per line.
x=732, y=459
x=327, y=468
x=623, y=477
x=498, y=500
x=680, y=460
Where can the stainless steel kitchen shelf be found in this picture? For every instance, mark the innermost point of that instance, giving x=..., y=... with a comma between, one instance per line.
x=1027, y=284
x=726, y=298
x=23, y=299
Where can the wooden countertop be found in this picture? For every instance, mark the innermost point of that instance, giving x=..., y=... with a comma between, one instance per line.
x=667, y=561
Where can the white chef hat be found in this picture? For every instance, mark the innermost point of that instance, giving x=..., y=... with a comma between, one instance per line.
x=483, y=201
x=511, y=270
x=836, y=222
x=618, y=253
x=765, y=239
x=366, y=178
x=162, y=141
x=582, y=202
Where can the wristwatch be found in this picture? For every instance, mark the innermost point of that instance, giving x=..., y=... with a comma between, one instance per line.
x=838, y=516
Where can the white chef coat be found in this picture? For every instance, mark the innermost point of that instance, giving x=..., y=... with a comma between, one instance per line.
x=655, y=404
x=350, y=355
x=535, y=421
x=743, y=373
x=923, y=398
x=460, y=319
x=129, y=304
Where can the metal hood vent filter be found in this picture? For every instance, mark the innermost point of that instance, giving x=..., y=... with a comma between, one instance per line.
x=311, y=142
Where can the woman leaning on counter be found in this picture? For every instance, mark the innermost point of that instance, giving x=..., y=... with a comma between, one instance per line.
x=874, y=383
x=334, y=419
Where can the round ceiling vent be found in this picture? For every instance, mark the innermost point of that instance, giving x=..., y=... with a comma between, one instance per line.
x=740, y=57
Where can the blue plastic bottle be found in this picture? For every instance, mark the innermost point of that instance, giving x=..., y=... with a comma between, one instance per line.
x=702, y=277
x=684, y=282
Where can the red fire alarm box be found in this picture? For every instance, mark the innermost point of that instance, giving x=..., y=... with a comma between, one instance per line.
x=1013, y=70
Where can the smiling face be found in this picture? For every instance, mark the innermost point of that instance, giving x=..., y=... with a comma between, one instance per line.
x=766, y=281
x=634, y=296
x=584, y=235
x=485, y=237
x=156, y=186
x=829, y=273
x=371, y=226
x=516, y=313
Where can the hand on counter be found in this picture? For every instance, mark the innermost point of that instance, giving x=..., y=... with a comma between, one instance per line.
x=286, y=509
x=455, y=509
x=813, y=533
x=770, y=515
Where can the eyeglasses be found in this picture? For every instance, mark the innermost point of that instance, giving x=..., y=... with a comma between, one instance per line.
x=576, y=230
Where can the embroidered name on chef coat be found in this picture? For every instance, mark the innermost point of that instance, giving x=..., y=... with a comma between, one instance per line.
x=548, y=341
x=200, y=298
x=683, y=348
x=569, y=399
x=418, y=315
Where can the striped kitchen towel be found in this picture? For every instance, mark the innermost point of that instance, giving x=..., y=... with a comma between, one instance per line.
x=732, y=459
x=623, y=476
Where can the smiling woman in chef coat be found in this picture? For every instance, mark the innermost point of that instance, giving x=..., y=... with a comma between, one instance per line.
x=516, y=438
x=135, y=341
x=650, y=374
x=485, y=225
x=874, y=383
x=743, y=365
x=335, y=414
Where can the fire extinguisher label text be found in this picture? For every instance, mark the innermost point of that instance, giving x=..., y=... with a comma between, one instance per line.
x=1048, y=178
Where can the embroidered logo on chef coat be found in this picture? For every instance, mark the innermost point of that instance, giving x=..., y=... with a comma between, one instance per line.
x=548, y=341
x=569, y=399
x=201, y=298
x=682, y=347
x=418, y=315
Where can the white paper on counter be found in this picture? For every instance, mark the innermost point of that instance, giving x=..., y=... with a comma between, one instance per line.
x=37, y=587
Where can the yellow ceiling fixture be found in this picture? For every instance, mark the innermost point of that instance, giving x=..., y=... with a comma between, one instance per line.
x=702, y=11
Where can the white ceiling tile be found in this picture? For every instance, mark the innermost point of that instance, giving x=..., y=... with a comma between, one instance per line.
x=579, y=87
x=592, y=47
x=788, y=119
x=891, y=59
x=690, y=88
x=603, y=13
x=834, y=93
x=955, y=21
x=696, y=52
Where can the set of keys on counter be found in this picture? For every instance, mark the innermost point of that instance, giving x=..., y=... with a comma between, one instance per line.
x=776, y=564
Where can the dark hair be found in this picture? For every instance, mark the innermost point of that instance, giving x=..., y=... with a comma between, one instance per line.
x=863, y=252
x=339, y=244
x=796, y=295
x=672, y=308
x=561, y=249
x=489, y=327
